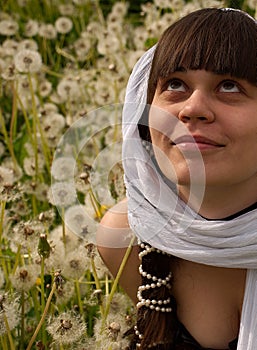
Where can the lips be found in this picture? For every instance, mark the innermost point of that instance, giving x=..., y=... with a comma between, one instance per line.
x=195, y=139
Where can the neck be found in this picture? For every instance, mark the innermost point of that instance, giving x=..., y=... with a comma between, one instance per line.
x=218, y=203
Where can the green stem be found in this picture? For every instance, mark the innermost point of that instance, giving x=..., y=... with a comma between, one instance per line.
x=22, y=320
x=42, y=278
x=63, y=230
x=8, y=141
x=4, y=342
x=78, y=296
x=48, y=302
x=116, y=280
x=97, y=282
x=8, y=333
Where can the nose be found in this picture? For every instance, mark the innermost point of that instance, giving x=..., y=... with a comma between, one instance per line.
x=197, y=108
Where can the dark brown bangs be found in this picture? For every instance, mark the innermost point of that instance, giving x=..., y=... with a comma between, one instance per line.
x=218, y=40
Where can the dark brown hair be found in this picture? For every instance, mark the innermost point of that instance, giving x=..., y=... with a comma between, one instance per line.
x=222, y=41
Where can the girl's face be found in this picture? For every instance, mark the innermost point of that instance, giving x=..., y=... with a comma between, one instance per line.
x=198, y=117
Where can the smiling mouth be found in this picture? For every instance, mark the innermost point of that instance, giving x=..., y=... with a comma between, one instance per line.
x=195, y=141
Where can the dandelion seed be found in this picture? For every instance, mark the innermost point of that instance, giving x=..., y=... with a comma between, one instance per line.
x=64, y=294
x=108, y=43
x=28, y=44
x=82, y=47
x=10, y=47
x=68, y=88
x=9, y=72
x=45, y=88
x=10, y=192
x=112, y=335
x=6, y=175
x=9, y=310
x=8, y=27
x=66, y=328
x=120, y=8
x=25, y=234
x=76, y=263
x=63, y=25
x=29, y=164
x=63, y=168
x=25, y=277
x=28, y=61
x=25, y=86
x=120, y=304
x=78, y=221
x=47, y=31
x=31, y=28
x=52, y=124
x=62, y=194
x=67, y=9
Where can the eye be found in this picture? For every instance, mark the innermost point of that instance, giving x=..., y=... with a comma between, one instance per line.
x=229, y=86
x=176, y=85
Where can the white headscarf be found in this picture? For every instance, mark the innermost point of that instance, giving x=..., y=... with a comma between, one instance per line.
x=157, y=216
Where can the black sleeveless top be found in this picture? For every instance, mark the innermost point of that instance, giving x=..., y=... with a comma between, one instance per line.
x=185, y=341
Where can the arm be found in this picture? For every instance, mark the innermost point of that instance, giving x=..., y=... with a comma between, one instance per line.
x=113, y=238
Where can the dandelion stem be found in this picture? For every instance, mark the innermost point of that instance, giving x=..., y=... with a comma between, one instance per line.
x=43, y=296
x=8, y=333
x=22, y=320
x=4, y=342
x=78, y=296
x=97, y=282
x=8, y=141
x=48, y=302
x=116, y=280
x=63, y=230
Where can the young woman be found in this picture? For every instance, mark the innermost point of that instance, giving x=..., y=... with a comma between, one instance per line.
x=189, y=156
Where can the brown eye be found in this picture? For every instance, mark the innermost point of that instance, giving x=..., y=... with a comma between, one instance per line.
x=176, y=85
x=229, y=86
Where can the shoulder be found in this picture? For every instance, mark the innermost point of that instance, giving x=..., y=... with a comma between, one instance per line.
x=114, y=230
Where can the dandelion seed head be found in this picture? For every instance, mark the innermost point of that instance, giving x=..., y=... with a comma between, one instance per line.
x=6, y=175
x=62, y=194
x=26, y=234
x=9, y=72
x=30, y=165
x=63, y=168
x=78, y=221
x=112, y=335
x=63, y=25
x=75, y=264
x=28, y=44
x=68, y=88
x=64, y=294
x=66, y=328
x=10, y=47
x=67, y=9
x=8, y=27
x=28, y=61
x=25, y=277
x=31, y=28
x=119, y=304
x=47, y=31
x=9, y=310
x=52, y=124
x=45, y=88
x=27, y=101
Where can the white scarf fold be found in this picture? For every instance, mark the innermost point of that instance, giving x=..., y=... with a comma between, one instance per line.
x=157, y=216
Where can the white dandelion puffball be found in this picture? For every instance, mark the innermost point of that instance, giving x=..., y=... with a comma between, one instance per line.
x=28, y=61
